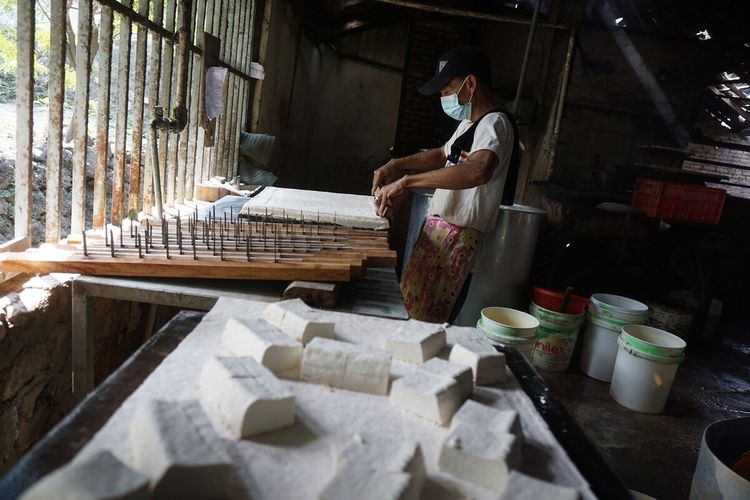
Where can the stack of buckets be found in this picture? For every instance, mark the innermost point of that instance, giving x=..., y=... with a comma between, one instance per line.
x=558, y=331
x=639, y=361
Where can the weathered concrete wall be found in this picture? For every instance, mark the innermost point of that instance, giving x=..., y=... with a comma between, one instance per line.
x=35, y=356
x=610, y=115
x=335, y=116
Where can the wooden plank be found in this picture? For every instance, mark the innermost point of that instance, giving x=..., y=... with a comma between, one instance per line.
x=45, y=262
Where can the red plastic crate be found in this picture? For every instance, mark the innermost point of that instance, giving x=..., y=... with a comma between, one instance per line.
x=647, y=196
x=679, y=202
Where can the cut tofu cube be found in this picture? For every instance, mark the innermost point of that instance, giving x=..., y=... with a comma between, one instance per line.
x=377, y=467
x=417, y=341
x=347, y=366
x=486, y=363
x=263, y=342
x=368, y=484
x=386, y=454
x=522, y=487
x=248, y=397
x=483, y=417
x=480, y=457
x=173, y=443
x=99, y=477
x=432, y=397
x=461, y=373
x=298, y=320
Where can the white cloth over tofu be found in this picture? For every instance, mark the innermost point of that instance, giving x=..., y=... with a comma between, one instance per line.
x=347, y=366
x=298, y=320
x=265, y=343
x=523, y=487
x=417, y=341
x=174, y=444
x=487, y=364
x=99, y=477
x=461, y=373
x=432, y=397
x=248, y=397
x=483, y=446
x=397, y=464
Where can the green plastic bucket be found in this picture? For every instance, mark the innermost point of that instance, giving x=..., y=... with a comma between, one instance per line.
x=557, y=334
x=524, y=344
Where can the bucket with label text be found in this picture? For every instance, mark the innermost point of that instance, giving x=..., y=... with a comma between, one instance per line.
x=557, y=334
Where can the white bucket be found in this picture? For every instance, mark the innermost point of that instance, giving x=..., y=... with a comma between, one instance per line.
x=557, y=334
x=722, y=445
x=606, y=316
x=524, y=344
x=647, y=361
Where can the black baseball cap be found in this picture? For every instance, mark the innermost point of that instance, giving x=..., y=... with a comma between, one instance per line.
x=459, y=61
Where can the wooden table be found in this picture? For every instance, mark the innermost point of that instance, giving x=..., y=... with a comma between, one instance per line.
x=376, y=293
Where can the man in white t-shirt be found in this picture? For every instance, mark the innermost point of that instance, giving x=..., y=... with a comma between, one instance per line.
x=468, y=191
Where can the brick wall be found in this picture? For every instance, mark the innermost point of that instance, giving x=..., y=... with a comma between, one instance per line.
x=421, y=122
x=722, y=155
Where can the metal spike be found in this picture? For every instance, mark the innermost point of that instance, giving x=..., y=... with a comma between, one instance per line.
x=138, y=244
x=221, y=245
x=166, y=244
x=145, y=234
x=247, y=248
x=121, y=245
x=112, y=246
x=106, y=235
x=85, y=247
x=195, y=252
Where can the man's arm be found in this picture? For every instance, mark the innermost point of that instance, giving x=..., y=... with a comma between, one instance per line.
x=473, y=172
x=423, y=161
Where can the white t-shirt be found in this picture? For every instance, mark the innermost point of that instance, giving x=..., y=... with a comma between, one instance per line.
x=477, y=207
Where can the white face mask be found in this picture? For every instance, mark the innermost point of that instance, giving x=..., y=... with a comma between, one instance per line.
x=454, y=108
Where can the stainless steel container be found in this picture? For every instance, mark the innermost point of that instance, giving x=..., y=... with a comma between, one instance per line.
x=505, y=260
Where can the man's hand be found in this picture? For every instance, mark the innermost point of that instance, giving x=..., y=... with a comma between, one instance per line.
x=384, y=175
x=385, y=196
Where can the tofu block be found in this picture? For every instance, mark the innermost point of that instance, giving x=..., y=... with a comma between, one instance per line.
x=347, y=366
x=378, y=467
x=173, y=443
x=367, y=484
x=263, y=342
x=461, y=373
x=432, y=397
x=298, y=320
x=248, y=397
x=480, y=457
x=99, y=477
x=486, y=363
x=385, y=454
x=498, y=422
x=417, y=341
x=522, y=487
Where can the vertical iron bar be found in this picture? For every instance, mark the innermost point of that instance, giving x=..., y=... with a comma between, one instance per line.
x=227, y=46
x=193, y=165
x=81, y=118
x=121, y=116
x=136, y=159
x=165, y=168
x=153, y=101
x=102, y=115
x=58, y=11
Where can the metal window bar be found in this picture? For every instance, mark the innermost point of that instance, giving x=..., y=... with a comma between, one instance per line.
x=131, y=75
x=134, y=194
